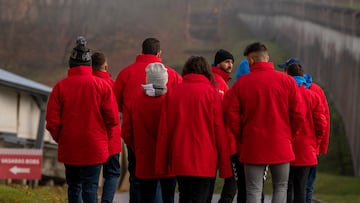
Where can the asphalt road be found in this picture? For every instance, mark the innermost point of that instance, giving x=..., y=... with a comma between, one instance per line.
x=124, y=198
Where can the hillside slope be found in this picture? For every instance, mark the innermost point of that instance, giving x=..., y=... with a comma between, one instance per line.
x=36, y=37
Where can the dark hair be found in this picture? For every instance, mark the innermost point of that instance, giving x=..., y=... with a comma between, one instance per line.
x=98, y=60
x=295, y=69
x=151, y=46
x=255, y=47
x=198, y=65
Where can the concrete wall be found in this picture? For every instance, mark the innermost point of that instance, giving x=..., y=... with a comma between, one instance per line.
x=328, y=44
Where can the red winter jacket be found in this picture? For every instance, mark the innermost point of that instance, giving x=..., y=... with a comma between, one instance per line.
x=264, y=111
x=128, y=82
x=140, y=130
x=306, y=143
x=81, y=111
x=191, y=137
x=115, y=138
x=324, y=144
x=221, y=78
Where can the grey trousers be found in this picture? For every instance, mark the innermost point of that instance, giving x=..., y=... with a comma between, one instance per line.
x=254, y=182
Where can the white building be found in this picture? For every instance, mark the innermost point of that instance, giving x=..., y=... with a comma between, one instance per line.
x=22, y=119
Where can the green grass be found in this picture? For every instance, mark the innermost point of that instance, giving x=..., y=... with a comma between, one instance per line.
x=24, y=194
x=337, y=189
x=331, y=188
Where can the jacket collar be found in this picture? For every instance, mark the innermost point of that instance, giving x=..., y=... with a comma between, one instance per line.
x=102, y=74
x=193, y=77
x=262, y=66
x=221, y=73
x=147, y=58
x=80, y=70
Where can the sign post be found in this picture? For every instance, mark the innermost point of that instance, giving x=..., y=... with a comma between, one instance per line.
x=20, y=163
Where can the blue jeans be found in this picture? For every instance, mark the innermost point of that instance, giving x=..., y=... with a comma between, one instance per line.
x=83, y=182
x=149, y=187
x=310, y=184
x=111, y=173
x=135, y=196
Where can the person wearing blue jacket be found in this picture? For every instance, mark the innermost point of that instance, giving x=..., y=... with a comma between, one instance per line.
x=243, y=68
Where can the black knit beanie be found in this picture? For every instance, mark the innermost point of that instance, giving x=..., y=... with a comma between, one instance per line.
x=80, y=54
x=221, y=56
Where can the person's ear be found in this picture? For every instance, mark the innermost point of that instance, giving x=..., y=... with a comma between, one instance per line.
x=159, y=53
x=250, y=60
x=106, y=67
x=267, y=57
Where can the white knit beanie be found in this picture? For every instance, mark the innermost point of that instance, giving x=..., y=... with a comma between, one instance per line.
x=156, y=74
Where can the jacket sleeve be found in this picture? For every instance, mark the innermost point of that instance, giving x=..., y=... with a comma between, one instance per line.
x=163, y=142
x=109, y=109
x=320, y=120
x=174, y=78
x=324, y=144
x=297, y=109
x=222, y=141
x=127, y=128
x=119, y=86
x=232, y=112
x=53, y=114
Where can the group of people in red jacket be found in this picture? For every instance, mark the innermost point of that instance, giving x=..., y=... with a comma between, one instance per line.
x=184, y=129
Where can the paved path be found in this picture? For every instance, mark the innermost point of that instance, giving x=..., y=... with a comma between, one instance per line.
x=123, y=197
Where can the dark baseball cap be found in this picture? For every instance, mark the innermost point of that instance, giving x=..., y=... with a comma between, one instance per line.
x=289, y=62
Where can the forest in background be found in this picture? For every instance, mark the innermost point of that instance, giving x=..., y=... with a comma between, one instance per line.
x=37, y=36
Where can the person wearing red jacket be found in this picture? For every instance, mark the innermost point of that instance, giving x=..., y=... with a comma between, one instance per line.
x=264, y=111
x=111, y=168
x=324, y=143
x=192, y=143
x=81, y=112
x=305, y=145
x=128, y=86
x=221, y=68
x=140, y=130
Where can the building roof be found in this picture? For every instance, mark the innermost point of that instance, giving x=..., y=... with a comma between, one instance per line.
x=14, y=81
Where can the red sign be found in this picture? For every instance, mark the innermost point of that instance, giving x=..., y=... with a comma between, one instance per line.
x=20, y=163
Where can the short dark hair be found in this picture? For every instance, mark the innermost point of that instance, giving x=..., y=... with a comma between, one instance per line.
x=151, y=46
x=198, y=65
x=98, y=60
x=295, y=69
x=255, y=47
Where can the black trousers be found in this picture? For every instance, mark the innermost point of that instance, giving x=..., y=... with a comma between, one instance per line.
x=241, y=196
x=134, y=182
x=148, y=189
x=194, y=189
x=298, y=177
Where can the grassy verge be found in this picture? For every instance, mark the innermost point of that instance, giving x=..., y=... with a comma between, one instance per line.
x=332, y=188
x=20, y=193
x=337, y=189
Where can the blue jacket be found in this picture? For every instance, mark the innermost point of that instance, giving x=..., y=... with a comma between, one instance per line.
x=243, y=68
